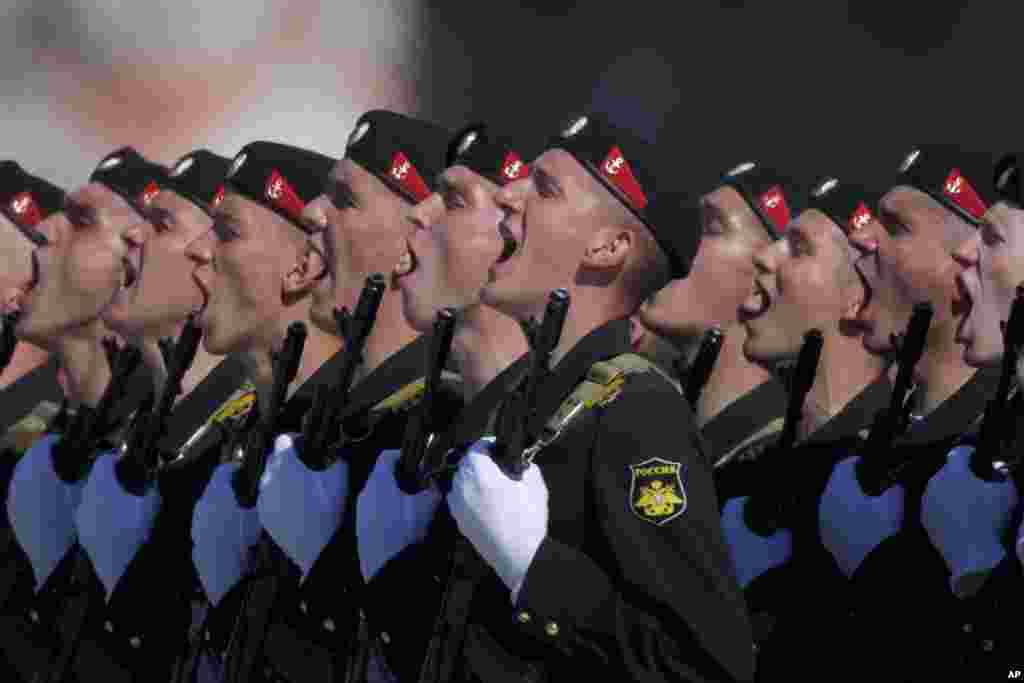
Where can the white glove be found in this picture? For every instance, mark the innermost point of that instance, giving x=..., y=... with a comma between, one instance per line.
x=504, y=519
x=387, y=519
x=222, y=533
x=300, y=508
x=41, y=509
x=851, y=522
x=965, y=518
x=112, y=523
x=752, y=554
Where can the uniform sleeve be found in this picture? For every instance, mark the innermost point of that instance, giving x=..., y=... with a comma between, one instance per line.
x=655, y=591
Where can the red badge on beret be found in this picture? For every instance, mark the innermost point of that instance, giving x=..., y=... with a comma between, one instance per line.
x=963, y=195
x=283, y=196
x=218, y=197
x=25, y=211
x=513, y=167
x=617, y=171
x=773, y=202
x=403, y=171
x=861, y=217
x=151, y=190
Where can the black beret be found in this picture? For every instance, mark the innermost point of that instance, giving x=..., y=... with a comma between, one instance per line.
x=126, y=173
x=405, y=153
x=26, y=199
x=774, y=197
x=476, y=148
x=1007, y=179
x=848, y=205
x=960, y=181
x=627, y=165
x=678, y=214
x=279, y=177
x=199, y=178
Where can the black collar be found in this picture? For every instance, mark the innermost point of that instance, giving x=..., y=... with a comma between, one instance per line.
x=958, y=413
x=745, y=416
x=604, y=342
x=290, y=419
x=856, y=415
x=194, y=410
x=406, y=365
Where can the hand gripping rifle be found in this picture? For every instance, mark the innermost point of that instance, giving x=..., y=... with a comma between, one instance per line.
x=998, y=424
x=136, y=468
x=703, y=365
x=767, y=512
x=876, y=467
x=510, y=448
x=246, y=480
x=413, y=472
x=72, y=455
x=323, y=423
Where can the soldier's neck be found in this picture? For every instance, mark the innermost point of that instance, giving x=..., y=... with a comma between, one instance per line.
x=586, y=313
x=85, y=365
x=845, y=369
x=485, y=343
x=27, y=357
x=319, y=347
x=390, y=334
x=732, y=378
x=941, y=371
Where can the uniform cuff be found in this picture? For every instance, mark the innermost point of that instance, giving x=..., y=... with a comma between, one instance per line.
x=548, y=609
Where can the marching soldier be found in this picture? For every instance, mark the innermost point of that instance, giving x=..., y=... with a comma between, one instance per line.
x=877, y=540
x=312, y=627
x=740, y=409
x=256, y=270
x=606, y=555
x=451, y=255
x=805, y=281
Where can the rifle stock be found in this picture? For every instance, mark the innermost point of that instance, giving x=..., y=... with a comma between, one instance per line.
x=766, y=512
x=136, y=468
x=258, y=441
x=322, y=424
x=877, y=461
x=412, y=472
x=703, y=364
x=511, y=433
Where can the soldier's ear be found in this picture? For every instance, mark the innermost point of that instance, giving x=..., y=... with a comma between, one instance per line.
x=304, y=273
x=608, y=248
x=636, y=332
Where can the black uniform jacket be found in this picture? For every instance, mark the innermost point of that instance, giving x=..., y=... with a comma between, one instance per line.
x=899, y=605
x=316, y=631
x=784, y=602
x=415, y=576
x=620, y=589
x=29, y=627
x=738, y=435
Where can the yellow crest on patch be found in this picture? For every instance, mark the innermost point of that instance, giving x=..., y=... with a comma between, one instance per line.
x=656, y=492
x=237, y=406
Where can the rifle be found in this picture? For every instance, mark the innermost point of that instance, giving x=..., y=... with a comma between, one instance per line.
x=703, y=364
x=135, y=469
x=514, y=420
x=876, y=467
x=322, y=424
x=412, y=472
x=72, y=454
x=765, y=513
x=8, y=341
x=246, y=479
x=997, y=425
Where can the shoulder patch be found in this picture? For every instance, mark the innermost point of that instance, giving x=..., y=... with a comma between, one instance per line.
x=656, y=491
x=237, y=406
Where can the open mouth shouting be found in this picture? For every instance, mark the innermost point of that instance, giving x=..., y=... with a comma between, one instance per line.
x=407, y=263
x=964, y=301
x=204, y=290
x=15, y=304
